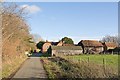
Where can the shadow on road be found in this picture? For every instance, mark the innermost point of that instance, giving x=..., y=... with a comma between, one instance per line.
x=36, y=55
x=39, y=54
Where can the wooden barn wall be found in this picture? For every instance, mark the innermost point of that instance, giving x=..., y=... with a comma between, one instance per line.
x=98, y=49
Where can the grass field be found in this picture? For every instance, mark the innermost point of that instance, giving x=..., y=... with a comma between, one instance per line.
x=111, y=60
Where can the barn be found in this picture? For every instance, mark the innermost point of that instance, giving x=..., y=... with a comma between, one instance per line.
x=66, y=50
x=45, y=47
x=116, y=50
x=109, y=46
x=91, y=46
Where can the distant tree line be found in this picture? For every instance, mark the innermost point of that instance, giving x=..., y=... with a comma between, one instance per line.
x=67, y=40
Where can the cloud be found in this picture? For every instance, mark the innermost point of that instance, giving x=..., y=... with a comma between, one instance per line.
x=31, y=8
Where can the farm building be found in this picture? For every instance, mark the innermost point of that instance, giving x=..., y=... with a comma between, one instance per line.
x=60, y=43
x=47, y=44
x=117, y=50
x=109, y=46
x=65, y=50
x=68, y=44
x=91, y=46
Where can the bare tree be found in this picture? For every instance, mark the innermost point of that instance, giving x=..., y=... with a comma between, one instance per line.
x=13, y=20
x=14, y=9
x=109, y=38
x=37, y=38
x=15, y=30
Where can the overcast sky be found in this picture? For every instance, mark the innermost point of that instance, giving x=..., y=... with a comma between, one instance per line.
x=78, y=20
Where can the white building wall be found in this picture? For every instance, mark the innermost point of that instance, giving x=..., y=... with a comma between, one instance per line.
x=66, y=52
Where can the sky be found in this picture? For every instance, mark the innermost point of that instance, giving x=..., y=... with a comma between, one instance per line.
x=77, y=20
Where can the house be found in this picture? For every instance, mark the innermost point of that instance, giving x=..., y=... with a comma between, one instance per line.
x=47, y=44
x=109, y=46
x=91, y=46
x=65, y=50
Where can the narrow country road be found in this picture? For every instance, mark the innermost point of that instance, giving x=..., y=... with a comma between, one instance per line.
x=32, y=68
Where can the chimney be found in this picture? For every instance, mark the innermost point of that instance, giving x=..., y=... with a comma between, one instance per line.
x=46, y=40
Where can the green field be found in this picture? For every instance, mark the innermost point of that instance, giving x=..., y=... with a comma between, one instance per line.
x=111, y=60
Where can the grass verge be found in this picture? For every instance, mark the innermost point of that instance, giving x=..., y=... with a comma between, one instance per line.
x=52, y=69
x=11, y=65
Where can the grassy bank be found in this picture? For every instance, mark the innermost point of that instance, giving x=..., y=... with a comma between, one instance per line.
x=11, y=65
x=58, y=67
x=52, y=69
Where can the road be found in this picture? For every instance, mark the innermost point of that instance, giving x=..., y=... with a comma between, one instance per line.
x=32, y=68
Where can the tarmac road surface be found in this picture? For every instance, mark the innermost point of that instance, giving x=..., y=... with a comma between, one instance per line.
x=32, y=68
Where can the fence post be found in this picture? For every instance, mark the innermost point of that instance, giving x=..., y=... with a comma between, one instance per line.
x=88, y=61
x=73, y=58
x=79, y=60
x=104, y=65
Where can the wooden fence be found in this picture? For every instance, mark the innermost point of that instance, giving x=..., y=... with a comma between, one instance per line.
x=103, y=62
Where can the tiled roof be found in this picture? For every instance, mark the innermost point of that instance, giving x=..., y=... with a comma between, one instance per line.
x=91, y=43
x=110, y=44
x=53, y=43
